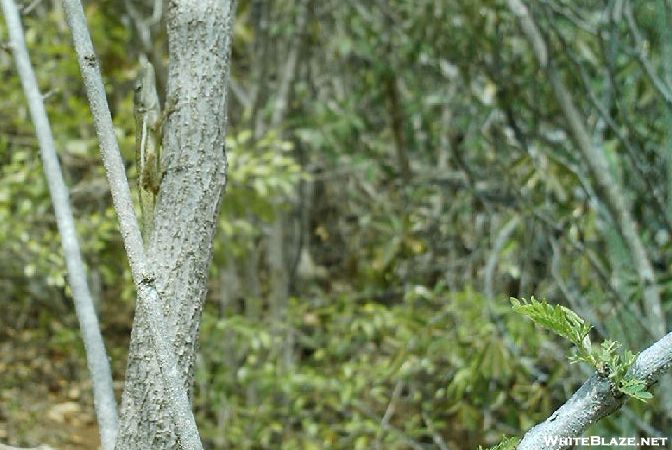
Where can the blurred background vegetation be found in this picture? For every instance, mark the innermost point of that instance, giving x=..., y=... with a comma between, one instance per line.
x=397, y=170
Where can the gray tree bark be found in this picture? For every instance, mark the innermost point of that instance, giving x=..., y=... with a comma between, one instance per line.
x=193, y=157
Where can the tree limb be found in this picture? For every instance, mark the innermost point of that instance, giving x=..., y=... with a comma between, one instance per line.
x=595, y=400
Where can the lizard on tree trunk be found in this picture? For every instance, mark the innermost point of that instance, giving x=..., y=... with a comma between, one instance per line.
x=148, y=122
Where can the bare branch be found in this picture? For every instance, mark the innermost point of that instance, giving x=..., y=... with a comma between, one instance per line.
x=530, y=29
x=491, y=264
x=436, y=437
x=289, y=71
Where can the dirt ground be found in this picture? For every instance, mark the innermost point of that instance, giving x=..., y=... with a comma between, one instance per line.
x=45, y=393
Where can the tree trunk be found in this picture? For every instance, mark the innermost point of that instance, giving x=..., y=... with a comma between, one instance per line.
x=193, y=158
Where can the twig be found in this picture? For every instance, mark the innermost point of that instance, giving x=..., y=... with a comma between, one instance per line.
x=392, y=405
x=289, y=72
x=29, y=8
x=661, y=86
x=436, y=437
x=491, y=264
x=415, y=445
x=574, y=18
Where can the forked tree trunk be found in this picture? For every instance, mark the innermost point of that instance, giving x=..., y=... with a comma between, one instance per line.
x=199, y=36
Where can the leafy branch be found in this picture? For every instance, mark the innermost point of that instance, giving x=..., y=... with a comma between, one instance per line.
x=609, y=359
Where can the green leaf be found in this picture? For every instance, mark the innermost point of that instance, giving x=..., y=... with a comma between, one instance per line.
x=560, y=320
x=608, y=360
x=635, y=388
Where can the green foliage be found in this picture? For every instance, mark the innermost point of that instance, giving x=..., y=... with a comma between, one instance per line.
x=607, y=360
x=27, y=226
x=634, y=388
x=262, y=171
x=262, y=180
x=615, y=364
x=354, y=358
x=561, y=320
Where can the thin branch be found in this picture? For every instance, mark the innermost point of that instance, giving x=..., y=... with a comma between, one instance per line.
x=96, y=356
x=401, y=435
x=289, y=72
x=240, y=94
x=658, y=83
x=29, y=8
x=143, y=30
x=572, y=17
x=530, y=30
x=436, y=437
x=391, y=408
x=148, y=297
x=578, y=303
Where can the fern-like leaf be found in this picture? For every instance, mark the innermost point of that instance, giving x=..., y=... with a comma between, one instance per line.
x=609, y=361
x=556, y=318
x=635, y=388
